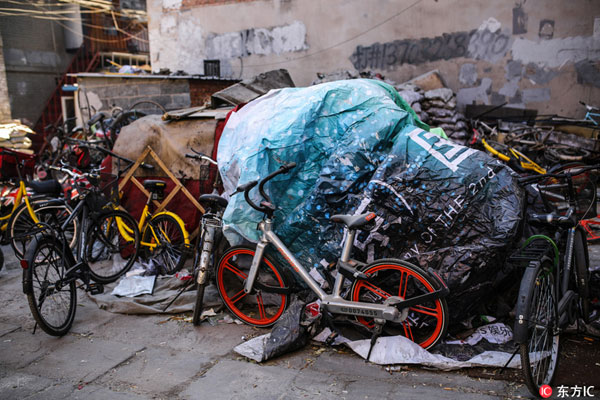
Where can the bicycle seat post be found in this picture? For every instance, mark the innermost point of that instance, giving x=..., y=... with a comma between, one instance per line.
x=348, y=245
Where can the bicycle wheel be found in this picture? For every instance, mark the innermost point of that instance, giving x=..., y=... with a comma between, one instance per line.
x=168, y=235
x=112, y=245
x=538, y=309
x=269, y=297
x=424, y=324
x=52, y=298
x=48, y=211
x=581, y=268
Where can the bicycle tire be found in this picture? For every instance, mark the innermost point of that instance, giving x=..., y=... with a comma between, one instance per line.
x=46, y=211
x=538, y=309
x=582, y=273
x=261, y=307
x=112, y=246
x=170, y=251
x=52, y=302
x=1, y=259
x=425, y=324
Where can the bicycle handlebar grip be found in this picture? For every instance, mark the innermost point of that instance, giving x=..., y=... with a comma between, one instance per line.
x=289, y=166
x=283, y=169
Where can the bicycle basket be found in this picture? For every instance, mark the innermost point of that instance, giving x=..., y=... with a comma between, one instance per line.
x=556, y=197
x=8, y=163
x=96, y=201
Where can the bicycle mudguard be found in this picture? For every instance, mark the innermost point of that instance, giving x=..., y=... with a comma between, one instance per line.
x=521, y=327
x=186, y=235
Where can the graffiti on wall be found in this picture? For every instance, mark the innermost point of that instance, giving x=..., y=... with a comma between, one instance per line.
x=478, y=44
x=261, y=41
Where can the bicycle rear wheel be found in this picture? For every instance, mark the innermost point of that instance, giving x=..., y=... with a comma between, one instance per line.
x=112, y=245
x=52, y=297
x=269, y=297
x=426, y=323
x=539, y=310
x=48, y=211
x=168, y=235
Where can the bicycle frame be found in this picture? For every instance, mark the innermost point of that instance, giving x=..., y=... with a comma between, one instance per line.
x=391, y=310
x=21, y=196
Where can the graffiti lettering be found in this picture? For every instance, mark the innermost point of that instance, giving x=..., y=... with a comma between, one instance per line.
x=480, y=44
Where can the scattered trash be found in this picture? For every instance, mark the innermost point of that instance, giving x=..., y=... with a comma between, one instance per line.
x=131, y=286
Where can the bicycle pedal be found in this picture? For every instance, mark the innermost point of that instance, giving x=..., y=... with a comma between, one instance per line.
x=331, y=338
x=95, y=288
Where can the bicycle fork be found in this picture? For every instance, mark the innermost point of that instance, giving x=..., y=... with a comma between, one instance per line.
x=206, y=251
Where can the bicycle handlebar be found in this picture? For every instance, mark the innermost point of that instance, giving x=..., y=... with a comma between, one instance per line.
x=249, y=185
x=534, y=178
x=200, y=156
x=95, y=146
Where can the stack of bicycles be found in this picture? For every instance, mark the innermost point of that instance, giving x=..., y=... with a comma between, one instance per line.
x=555, y=287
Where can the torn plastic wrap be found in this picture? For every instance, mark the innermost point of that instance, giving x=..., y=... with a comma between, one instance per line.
x=338, y=130
x=438, y=204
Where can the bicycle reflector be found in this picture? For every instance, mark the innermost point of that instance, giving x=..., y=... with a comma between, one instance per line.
x=24, y=264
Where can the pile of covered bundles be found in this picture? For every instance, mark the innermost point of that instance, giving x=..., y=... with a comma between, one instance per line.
x=359, y=147
x=436, y=107
x=13, y=135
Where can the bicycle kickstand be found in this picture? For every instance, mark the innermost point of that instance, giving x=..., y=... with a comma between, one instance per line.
x=376, y=333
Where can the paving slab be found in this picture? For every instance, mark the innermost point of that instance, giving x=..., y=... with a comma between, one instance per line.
x=18, y=349
x=7, y=328
x=82, y=359
x=230, y=379
x=158, y=371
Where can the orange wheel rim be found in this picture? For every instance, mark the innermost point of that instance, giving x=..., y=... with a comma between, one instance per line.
x=435, y=312
x=232, y=300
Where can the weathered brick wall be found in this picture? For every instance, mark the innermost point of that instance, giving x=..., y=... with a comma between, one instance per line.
x=106, y=92
x=201, y=90
x=4, y=100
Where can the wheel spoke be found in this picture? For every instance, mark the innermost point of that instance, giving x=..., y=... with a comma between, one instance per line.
x=236, y=271
x=261, y=306
x=425, y=310
x=403, y=285
x=408, y=331
x=375, y=289
x=238, y=296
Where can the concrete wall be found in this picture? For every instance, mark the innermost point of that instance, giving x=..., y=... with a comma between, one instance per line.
x=4, y=100
x=100, y=92
x=35, y=57
x=541, y=54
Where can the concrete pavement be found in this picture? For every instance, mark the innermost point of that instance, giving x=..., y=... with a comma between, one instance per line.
x=116, y=356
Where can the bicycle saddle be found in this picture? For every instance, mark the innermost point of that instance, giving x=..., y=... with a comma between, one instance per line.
x=50, y=187
x=213, y=198
x=354, y=221
x=155, y=185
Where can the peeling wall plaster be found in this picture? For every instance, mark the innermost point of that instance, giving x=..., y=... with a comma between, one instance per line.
x=262, y=41
x=555, y=53
x=514, y=52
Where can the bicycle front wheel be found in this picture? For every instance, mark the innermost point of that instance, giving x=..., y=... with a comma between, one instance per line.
x=112, y=245
x=539, y=353
x=582, y=273
x=167, y=240
x=47, y=211
x=425, y=323
x=52, y=297
x=269, y=297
